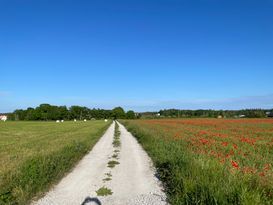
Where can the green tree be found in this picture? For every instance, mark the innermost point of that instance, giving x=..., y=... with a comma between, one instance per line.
x=130, y=114
x=78, y=112
x=63, y=113
x=118, y=113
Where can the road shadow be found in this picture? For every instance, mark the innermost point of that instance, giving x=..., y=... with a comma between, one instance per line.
x=91, y=201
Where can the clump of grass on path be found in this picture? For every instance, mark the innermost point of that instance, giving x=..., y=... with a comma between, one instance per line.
x=112, y=163
x=107, y=179
x=115, y=156
x=108, y=174
x=104, y=191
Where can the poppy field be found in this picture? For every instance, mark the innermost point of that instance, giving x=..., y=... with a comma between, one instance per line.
x=211, y=161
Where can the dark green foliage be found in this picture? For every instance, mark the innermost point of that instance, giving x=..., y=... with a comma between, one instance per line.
x=118, y=113
x=250, y=113
x=78, y=112
x=130, y=114
x=50, y=112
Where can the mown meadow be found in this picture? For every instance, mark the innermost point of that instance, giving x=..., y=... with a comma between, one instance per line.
x=35, y=155
x=210, y=161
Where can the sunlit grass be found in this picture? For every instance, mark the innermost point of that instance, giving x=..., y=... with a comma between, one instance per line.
x=35, y=154
x=204, y=161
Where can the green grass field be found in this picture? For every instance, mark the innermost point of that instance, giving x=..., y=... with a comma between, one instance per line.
x=34, y=155
x=210, y=161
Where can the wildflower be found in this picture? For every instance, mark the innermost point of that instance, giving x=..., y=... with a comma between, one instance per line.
x=266, y=167
x=262, y=174
x=235, y=164
x=224, y=144
x=204, y=141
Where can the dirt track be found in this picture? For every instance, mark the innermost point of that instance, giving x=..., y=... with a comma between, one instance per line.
x=132, y=181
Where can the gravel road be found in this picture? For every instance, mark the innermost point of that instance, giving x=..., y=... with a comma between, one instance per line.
x=132, y=181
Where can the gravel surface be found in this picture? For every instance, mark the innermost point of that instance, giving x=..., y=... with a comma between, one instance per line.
x=132, y=181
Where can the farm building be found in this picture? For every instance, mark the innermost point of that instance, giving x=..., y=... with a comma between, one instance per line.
x=270, y=114
x=3, y=117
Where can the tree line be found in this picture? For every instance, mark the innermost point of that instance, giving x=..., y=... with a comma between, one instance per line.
x=248, y=113
x=46, y=112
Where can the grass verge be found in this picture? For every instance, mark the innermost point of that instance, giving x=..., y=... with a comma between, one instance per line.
x=34, y=155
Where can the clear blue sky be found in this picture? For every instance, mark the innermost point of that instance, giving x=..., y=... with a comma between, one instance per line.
x=142, y=55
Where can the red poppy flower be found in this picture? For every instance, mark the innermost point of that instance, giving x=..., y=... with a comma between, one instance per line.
x=235, y=164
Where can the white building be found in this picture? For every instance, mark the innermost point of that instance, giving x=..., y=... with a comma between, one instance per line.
x=3, y=117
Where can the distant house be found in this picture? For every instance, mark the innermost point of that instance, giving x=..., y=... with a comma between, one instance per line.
x=270, y=114
x=3, y=117
x=242, y=116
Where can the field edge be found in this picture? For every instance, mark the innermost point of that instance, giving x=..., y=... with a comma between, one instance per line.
x=38, y=174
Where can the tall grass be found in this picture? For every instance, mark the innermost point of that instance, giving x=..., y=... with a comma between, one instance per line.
x=195, y=179
x=34, y=155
